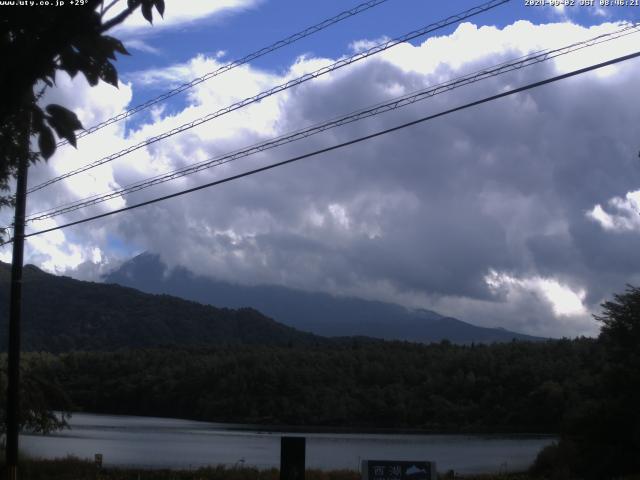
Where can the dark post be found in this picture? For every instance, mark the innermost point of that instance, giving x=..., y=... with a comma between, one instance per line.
x=13, y=386
x=98, y=463
x=292, y=457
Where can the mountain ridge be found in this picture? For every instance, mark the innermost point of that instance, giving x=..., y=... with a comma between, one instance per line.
x=319, y=313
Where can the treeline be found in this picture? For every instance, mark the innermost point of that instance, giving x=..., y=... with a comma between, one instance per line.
x=514, y=387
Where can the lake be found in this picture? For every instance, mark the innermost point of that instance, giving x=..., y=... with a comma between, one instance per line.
x=170, y=443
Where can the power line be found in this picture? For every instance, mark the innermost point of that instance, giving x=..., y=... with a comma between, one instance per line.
x=231, y=65
x=291, y=83
x=344, y=144
x=399, y=102
x=393, y=104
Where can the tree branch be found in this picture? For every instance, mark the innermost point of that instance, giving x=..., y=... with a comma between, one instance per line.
x=108, y=7
x=118, y=19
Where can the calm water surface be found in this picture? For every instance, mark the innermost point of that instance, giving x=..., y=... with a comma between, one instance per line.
x=170, y=443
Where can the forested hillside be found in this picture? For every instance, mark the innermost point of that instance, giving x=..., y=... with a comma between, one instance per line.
x=62, y=314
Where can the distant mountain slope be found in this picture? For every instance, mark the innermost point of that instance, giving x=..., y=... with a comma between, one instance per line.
x=320, y=313
x=62, y=314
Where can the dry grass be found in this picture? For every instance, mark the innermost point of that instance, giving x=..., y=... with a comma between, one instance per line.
x=75, y=469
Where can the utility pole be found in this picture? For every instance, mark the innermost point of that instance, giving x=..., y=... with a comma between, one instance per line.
x=15, y=310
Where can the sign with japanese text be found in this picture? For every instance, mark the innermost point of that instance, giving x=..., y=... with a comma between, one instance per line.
x=397, y=470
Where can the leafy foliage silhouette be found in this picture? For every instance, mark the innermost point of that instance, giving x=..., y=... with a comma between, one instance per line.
x=36, y=44
x=601, y=438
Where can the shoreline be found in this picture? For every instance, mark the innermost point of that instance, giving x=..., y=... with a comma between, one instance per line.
x=320, y=429
x=157, y=443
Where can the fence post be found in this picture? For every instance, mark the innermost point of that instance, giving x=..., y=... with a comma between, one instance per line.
x=292, y=458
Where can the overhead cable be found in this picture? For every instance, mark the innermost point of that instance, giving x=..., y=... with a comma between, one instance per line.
x=341, y=145
x=291, y=83
x=231, y=65
x=399, y=102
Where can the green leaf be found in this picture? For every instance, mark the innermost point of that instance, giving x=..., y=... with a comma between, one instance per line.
x=46, y=143
x=92, y=72
x=89, y=47
x=160, y=7
x=64, y=122
x=69, y=62
x=99, y=48
x=109, y=74
x=65, y=115
x=116, y=45
x=147, y=12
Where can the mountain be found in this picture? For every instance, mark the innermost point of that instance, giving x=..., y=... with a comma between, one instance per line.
x=63, y=314
x=319, y=313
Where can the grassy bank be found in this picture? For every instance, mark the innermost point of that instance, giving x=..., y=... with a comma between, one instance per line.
x=76, y=469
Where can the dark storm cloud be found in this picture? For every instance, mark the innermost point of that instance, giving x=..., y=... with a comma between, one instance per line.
x=422, y=216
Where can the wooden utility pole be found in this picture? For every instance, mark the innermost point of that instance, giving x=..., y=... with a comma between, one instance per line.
x=15, y=310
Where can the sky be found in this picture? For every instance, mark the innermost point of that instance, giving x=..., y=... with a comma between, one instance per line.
x=521, y=213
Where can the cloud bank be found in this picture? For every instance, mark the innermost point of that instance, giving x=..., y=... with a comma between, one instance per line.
x=521, y=213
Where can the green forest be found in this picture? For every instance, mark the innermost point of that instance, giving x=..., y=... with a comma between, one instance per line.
x=516, y=387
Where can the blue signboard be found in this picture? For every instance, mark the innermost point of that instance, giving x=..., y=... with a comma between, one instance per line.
x=397, y=470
